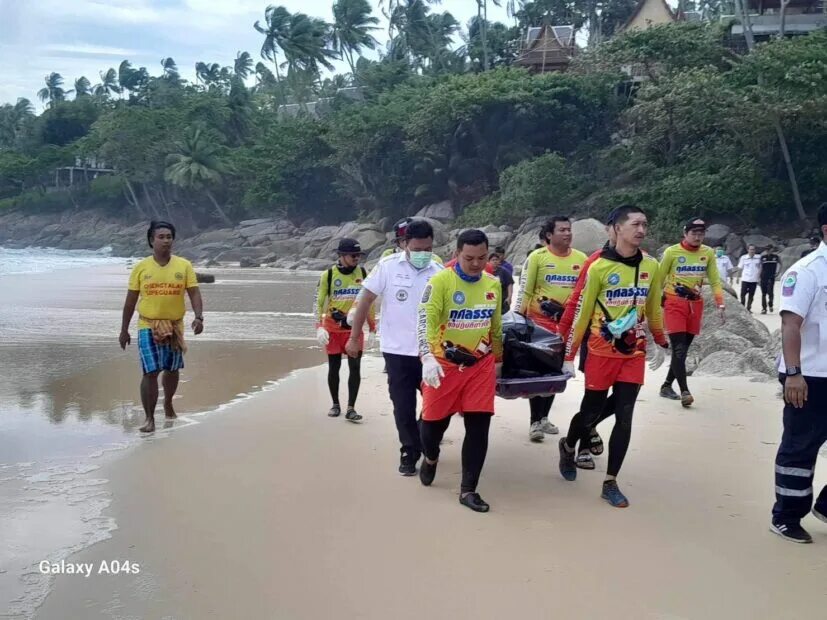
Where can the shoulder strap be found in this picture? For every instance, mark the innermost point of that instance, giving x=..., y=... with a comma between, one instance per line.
x=634, y=297
x=364, y=272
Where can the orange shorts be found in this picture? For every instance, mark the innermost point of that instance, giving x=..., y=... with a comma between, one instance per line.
x=338, y=340
x=461, y=391
x=682, y=316
x=603, y=372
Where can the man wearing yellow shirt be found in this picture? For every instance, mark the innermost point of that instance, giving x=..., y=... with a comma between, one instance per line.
x=683, y=270
x=157, y=286
x=546, y=283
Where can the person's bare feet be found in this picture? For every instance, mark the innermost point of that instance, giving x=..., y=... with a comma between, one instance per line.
x=149, y=427
x=169, y=411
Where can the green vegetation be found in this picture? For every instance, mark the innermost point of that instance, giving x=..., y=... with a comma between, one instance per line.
x=697, y=133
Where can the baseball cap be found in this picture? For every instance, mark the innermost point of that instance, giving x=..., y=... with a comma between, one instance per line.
x=401, y=227
x=349, y=246
x=694, y=223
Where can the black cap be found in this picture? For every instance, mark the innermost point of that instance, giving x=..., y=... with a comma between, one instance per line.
x=349, y=246
x=694, y=223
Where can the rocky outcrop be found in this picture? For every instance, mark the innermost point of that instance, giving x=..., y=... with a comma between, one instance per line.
x=717, y=234
x=440, y=211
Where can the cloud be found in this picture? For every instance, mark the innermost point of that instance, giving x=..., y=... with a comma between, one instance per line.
x=83, y=50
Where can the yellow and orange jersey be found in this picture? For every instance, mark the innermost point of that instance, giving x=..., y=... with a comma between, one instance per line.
x=683, y=271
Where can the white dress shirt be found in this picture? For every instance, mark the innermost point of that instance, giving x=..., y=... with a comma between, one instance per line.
x=401, y=286
x=750, y=268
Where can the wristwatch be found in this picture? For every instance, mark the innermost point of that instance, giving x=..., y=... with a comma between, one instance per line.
x=793, y=371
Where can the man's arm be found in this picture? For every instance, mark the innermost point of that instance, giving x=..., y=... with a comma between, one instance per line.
x=528, y=280
x=128, y=310
x=666, y=267
x=654, y=310
x=197, y=303
x=583, y=316
x=497, y=330
x=364, y=305
x=428, y=319
x=714, y=277
x=320, y=300
x=795, y=388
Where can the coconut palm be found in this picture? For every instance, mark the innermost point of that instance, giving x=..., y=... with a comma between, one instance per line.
x=482, y=16
x=171, y=73
x=276, y=30
x=208, y=73
x=307, y=44
x=352, y=24
x=197, y=164
x=108, y=85
x=53, y=92
x=243, y=65
x=83, y=88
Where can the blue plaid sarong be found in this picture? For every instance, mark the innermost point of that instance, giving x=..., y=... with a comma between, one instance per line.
x=154, y=357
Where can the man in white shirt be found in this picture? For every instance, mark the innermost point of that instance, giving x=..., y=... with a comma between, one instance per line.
x=400, y=279
x=750, y=266
x=803, y=372
x=725, y=266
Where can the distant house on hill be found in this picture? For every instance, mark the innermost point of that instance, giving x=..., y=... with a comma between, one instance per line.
x=649, y=13
x=800, y=17
x=547, y=48
x=84, y=171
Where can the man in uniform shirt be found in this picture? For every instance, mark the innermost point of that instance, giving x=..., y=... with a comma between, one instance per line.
x=803, y=372
x=400, y=280
x=622, y=291
x=335, y=296
x=725, y=266
x=750, y=266
x=683, y=270
x=769, y=269
x=157, y=286
x=461, y=345
x=546, y=282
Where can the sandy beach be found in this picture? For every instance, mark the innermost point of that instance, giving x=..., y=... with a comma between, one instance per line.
x=276, y=511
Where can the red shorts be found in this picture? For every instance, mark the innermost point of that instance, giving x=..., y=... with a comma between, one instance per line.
x=338, y=340
x=682, y=316
x=603, y=372
x=461, y=391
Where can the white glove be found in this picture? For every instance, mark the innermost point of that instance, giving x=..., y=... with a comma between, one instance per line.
x=568, y=367
x=322, y=336
x=371, y=341
x=432, y=372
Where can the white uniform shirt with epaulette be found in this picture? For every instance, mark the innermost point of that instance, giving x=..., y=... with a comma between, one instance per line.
x=804, y=292
x=400, y=285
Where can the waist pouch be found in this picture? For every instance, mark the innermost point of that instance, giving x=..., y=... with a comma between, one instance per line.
x=552, y=309
x=685, y=292
x=341, y=318
x=457, y=356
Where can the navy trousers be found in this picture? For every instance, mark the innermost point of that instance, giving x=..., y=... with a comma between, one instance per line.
x=805, y=432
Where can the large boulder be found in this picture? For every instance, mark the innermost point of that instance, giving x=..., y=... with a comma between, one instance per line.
x=589, y=235
x=246, y=263
x=738, y=320
x=791, y=255
x=440, y=211
x=498, y=239
x=520, y=246
x=760, y=242
x=717, y=234
x=368, y=236
x=734, y=246
x=235, y=255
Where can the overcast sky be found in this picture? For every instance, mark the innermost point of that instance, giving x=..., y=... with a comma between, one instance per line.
x=85, y=37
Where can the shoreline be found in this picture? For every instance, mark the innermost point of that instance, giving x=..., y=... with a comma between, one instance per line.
x=263, y=509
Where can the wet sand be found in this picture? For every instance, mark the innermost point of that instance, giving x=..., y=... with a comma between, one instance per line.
x=277, y=511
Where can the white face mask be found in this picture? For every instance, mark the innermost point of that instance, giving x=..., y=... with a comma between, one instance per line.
x=420, y=260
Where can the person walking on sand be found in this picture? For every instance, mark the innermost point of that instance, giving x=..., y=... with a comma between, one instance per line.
x=803, y=373
x=400, y=280
x=683, y=270
x=157, y=286
x=750, y=267
x=548, y=277
x=725, y=266
x=622, y=291
x=460, y=342
x=335, y=296
x=770, y=262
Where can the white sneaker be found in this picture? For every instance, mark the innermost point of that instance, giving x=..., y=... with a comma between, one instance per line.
x=535, y=433
x=548, y=428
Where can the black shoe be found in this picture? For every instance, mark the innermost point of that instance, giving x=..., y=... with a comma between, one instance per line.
x=427, y=472
x=407, y=463
x=352, y=416
x=820, y=513
x=763, y=310
x=474, y=502
x=335, y=411
x=792, y=532
x=666, y=391
x=568, y=466
x=770, y=309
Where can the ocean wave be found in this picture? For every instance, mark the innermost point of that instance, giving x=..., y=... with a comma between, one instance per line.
x=43, y=260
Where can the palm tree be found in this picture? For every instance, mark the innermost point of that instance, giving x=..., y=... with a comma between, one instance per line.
x=171, y=74
x=243, y=65
x=197, y=164
x=108, y=85
x=53, y=91
x=352, y=23
x=208, y=73
x=276, y=32
x=482, y=15
x=83, y=88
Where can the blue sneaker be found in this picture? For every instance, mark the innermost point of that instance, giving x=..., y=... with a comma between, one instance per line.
x=568, y=467
x=611, y=493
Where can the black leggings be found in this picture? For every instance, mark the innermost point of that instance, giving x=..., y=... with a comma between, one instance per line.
x=474, y=447
x=354, y=379
x=677, y=369
x=540, y=406
x=625, y=395
x=607, y=412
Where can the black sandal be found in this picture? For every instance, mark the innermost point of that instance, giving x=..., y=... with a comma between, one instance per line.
x=595, y=443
